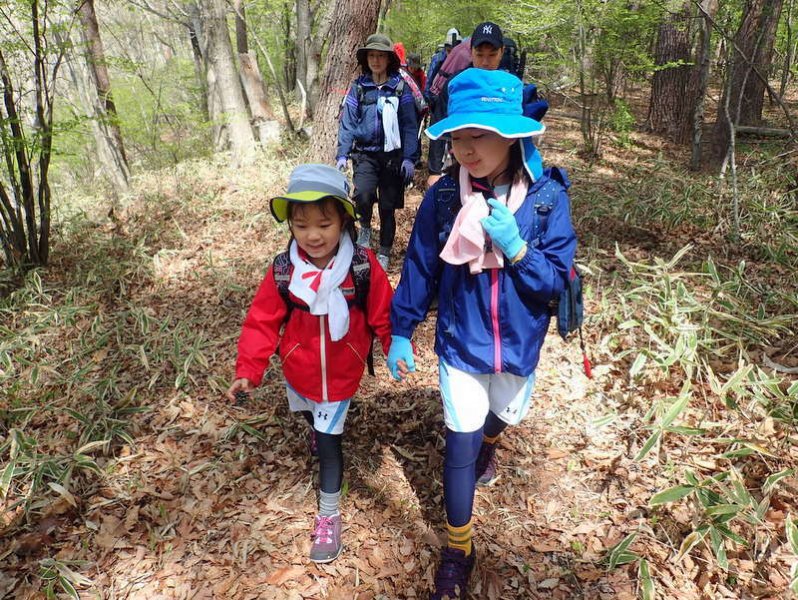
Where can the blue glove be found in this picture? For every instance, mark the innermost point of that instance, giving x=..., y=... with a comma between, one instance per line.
x=340, y=163
x=401, y=349
x=503, y=229
x=408, y=170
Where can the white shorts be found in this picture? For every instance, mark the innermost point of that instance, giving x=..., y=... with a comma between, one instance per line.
x=467, y=397
x=328, y=417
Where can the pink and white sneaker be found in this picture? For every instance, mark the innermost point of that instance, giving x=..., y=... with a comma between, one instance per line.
x=326, y=535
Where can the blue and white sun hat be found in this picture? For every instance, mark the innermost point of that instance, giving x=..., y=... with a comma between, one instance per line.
x=491, y=100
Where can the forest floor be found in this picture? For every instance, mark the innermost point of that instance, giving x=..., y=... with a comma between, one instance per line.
x=208, y=500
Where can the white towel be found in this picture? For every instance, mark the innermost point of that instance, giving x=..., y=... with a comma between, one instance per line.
x=320, y=289
x=390, y=122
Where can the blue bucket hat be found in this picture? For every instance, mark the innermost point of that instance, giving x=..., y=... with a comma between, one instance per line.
x=309, y=183
x=491, y=100
x=488, y=100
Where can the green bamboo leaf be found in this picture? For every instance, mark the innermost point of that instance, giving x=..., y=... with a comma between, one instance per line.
x=677, y=407
x=671, y=494
x=638, y=365
x=773, y=479
x=716, y=541
x=690, y=542
x=685, y=430
x=650, y=442
x=619, y=554
x=792, y=533
x=5, y=479
x=723, y=509
x=647, y=591
x=68, y=588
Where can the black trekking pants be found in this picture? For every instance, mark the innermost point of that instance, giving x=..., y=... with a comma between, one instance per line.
x=378, y=179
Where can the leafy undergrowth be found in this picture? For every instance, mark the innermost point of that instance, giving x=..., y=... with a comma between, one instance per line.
x=670, y=474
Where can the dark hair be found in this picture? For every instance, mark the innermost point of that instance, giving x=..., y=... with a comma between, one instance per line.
x=515, y=166
x=324, y=206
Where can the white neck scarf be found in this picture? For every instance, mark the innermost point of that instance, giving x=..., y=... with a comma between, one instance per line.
x=320, y=289
x=390, y=122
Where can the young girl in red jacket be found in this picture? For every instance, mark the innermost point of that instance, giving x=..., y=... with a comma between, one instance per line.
x=322, y=323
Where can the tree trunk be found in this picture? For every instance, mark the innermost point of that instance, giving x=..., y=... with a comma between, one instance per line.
x=670, y=106
x=266, y=126
x=753, y=49
x=194, y=25
x=111, y=160
x=304, y=26
x=355, y=20
x=223, y=80
x=114, y=150
x=786, y=70
x=706, y=13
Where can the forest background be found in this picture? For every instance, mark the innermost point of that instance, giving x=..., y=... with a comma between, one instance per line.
x=140, y=141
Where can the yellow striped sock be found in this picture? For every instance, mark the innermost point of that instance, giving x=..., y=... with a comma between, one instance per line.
x=460, y=537
x=490, y=440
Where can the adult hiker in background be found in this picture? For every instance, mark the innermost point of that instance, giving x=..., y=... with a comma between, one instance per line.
x=378, y=131
x=320, y=304
x=478, y=246
x=487, y=47
x=488, y=36
x=452, y=39
x=415, y=69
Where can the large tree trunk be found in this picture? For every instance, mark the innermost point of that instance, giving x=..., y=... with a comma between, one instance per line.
x=669, y=110
x=254, y=88
x=111, y=149
x=355, y=20
x=750, y=63
x=111, y=159
x=223, y=82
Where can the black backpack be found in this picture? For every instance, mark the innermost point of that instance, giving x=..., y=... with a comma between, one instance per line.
x=513, y=60
x=361, y=95
x=360, y=269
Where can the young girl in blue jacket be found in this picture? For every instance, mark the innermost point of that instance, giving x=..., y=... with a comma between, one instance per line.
x=476, y=248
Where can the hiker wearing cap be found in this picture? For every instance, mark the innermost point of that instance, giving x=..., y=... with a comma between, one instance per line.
x=487, y=47
x=378, y=131
x=320, y=304
x=480, y=248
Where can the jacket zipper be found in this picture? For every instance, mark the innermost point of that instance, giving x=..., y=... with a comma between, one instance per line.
x=323, y=344
x=494, y=316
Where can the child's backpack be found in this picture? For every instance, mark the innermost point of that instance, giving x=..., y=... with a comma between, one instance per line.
x=568, y=308
x=360, y=269
x=418, y=95
x=459, y=58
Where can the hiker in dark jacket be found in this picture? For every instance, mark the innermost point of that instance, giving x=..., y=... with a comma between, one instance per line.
x=487, y=47
x=378, y=131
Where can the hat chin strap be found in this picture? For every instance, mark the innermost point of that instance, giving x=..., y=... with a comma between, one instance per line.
x=533, y=161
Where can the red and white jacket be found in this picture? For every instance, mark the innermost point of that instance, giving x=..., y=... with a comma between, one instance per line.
x=313, y=365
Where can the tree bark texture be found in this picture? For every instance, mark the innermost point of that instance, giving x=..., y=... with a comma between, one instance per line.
x=354, y=21
x=671, y=106
x=753, y=51
x=223, y=82
x=263, y=119
x=95, y=59
x=111, y=161
x=705, y=15
x=755, y=38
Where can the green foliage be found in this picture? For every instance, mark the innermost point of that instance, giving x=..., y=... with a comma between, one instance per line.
x=622, y=122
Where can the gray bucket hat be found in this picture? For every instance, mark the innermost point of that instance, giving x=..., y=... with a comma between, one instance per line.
x=381, y=42
x=309, y=183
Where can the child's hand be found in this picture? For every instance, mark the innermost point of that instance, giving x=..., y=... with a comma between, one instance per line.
x=239, y=386
x=503, y=229
x=400, y=357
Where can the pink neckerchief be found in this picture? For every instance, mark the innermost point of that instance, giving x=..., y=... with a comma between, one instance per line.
x=466, y=243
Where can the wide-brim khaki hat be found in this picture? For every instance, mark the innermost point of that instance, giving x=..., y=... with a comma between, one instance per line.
x=381, y=43
x=309, y=183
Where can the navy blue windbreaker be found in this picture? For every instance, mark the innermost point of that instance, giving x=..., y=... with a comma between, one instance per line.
x=495, y=321
x=361, y=123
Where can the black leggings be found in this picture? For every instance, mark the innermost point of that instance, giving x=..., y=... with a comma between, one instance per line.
x=331, y=458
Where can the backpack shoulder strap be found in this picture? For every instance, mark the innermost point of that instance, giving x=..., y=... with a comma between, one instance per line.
x=361, y=275
x=282, y=275
x=544, y=203
x=447, y=205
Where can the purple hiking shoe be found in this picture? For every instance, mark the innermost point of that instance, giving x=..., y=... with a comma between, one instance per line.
x=486, y=465
x=451, y=579
x=313, y=445
x=327, y=544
